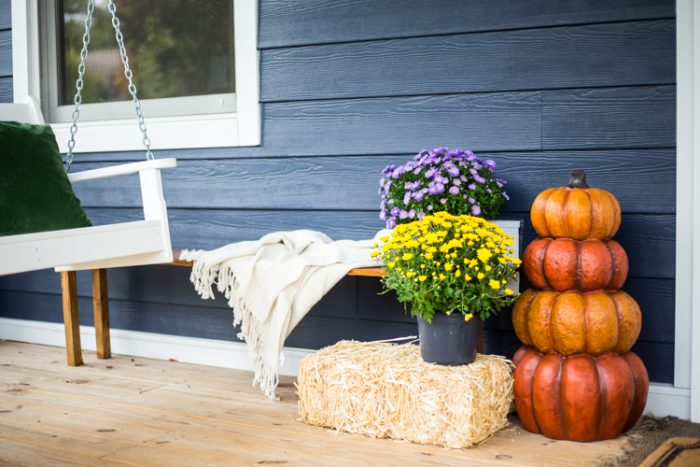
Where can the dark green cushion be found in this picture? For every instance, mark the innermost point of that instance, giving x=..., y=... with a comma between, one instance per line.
x=35, y=194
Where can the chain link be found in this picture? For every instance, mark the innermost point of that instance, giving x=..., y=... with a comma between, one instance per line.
x=129, y=76
x=79, y=83
x=78, y=98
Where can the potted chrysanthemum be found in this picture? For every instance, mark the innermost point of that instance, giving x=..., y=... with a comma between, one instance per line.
x=455, y=181
x=454, y=272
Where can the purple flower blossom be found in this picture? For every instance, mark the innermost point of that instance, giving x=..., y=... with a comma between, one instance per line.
x=491, y=165
x=452, y=170
x=431, y=172
x=403, y=214
x=505, y=195
x=479, y=179
x=382, y=214
x=390, y=223
x=454, y=190
x=395, y=212
x=429, y=207
x=471, y=200
x=472, y=186
x=407, y=197
x=443, y=200
x=412, y=214
x=456, y=182
x=388, y=169
x=476, y=210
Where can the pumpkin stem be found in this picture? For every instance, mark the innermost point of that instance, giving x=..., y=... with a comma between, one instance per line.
x=578, y=179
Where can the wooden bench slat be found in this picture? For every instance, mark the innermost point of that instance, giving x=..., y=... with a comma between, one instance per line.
x=357, y=272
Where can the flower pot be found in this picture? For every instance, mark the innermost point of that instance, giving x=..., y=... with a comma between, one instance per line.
x=449, y=340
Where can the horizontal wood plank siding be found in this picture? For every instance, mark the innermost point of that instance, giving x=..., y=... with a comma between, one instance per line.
x=348, y=87
x=284, y=23
x=296, y=182
x=5, y=53
x=5, y=14
x=546, y=58
x=6, y=90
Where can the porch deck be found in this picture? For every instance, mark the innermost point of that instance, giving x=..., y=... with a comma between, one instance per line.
x=139, y=411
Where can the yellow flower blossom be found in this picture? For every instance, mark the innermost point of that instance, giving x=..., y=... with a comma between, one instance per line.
x=494, y=284
x=375, y=253
x=508, y=291
x=468, y=316
x=480, y=276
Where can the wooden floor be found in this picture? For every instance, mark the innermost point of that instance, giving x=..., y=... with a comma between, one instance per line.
x=137, y=411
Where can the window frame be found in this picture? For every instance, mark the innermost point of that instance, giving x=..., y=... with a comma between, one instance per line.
x=230, y=129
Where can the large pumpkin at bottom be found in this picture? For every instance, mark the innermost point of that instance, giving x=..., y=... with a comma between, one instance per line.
x=566, y=264
x=581, y=397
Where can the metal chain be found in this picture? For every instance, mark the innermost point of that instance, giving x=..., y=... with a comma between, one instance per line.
x=78, y=98
x=129, y=76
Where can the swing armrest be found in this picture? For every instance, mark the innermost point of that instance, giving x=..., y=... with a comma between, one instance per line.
x=122, y=169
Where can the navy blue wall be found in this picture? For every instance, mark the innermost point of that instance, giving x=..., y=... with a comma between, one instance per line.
x=541, y=87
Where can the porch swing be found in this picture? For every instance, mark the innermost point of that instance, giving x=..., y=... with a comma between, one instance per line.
x=140, y=242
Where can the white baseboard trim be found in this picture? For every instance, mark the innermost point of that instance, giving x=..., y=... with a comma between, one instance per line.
x=664, y=399
x=211, y=352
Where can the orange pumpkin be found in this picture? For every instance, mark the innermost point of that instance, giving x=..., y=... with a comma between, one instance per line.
x=576, y=211
x=576, y=322
x=565, y=264
x=579, y=398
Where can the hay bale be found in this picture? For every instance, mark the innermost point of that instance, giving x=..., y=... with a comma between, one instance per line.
x=387, y=391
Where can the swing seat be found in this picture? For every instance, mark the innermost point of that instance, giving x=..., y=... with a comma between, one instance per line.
x=135, y=243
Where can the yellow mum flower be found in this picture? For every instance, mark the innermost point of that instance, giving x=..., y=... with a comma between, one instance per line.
x=483, y=254
x=422, y=278
x=480, y=276
x=407, y=256
x=467, y=278
x=384, y=238
x=494, y=284
x=442, y=277
x=374, y=254
x=508, y=291
x=468, y=316
x=448, y=266
x=458, y=273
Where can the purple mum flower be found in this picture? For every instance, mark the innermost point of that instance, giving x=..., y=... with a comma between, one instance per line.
x=476, y=210
x=403, y=214
x=412, y=214
x=472, y=187
x=454, y=190
x=407, y=197
x=491, y=165
x=479, y=179
x=443, y=200
x=431, y=172
x=505, y=195
x=471, y=200
x=452, y=170
x=456, y=182
x=429, y=207
x=390, y=223
x=395, y=212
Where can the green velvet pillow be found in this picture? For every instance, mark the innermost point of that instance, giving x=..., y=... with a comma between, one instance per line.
x=35, y=194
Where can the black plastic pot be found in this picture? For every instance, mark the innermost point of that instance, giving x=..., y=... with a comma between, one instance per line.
x=449, y=340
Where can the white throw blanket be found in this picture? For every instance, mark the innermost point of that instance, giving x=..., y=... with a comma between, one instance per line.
x=272, y=283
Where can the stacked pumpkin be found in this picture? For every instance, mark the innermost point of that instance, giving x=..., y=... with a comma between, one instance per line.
x=576, y=378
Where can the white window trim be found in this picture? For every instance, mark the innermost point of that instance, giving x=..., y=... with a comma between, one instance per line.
x=242, y=128
x=687, y=347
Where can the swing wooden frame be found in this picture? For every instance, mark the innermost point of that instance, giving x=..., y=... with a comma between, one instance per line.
x=134, y=243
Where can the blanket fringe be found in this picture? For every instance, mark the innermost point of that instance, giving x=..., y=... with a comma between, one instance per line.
x=265, y=375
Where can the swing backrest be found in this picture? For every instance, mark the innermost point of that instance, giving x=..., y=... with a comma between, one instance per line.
x=26, y=111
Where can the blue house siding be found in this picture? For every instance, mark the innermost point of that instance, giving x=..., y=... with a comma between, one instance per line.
x=5, y=52
x=541, y=87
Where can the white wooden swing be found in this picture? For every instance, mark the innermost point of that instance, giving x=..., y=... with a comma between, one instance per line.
x=141, y=242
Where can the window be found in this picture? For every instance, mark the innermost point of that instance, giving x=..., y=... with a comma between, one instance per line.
x=194, y=63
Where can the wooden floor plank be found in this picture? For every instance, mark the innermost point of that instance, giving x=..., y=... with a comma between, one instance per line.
x=134, y=411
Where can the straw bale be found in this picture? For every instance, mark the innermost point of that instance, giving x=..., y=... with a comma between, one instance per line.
x=387, y=391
